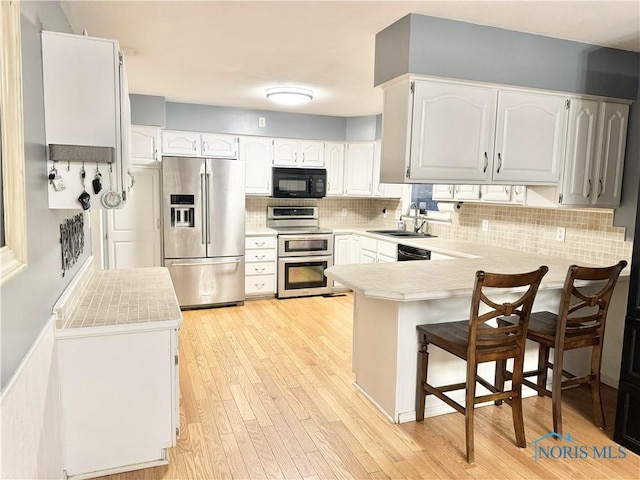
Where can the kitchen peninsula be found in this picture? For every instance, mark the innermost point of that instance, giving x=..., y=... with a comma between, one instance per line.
x=390, y=299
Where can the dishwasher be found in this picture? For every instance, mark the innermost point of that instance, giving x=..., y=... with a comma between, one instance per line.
x=407, y=253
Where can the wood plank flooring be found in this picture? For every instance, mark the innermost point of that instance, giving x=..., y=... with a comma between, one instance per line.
x=266, y=392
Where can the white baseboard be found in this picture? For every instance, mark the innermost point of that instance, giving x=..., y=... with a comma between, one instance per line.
x=31, y=445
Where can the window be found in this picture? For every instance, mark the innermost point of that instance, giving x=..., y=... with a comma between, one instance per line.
x=421, y=195
x=13, y=251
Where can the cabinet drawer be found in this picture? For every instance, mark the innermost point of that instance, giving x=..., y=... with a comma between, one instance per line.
x=252, y=256
x=370, y=244
x=260, y=268
x=260, y=242
x=260, y=285
x=388, y=249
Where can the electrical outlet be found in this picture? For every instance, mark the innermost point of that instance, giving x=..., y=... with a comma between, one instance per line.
x=262, y=122
x=485, y=225
x=344, y=212
x=560, y=234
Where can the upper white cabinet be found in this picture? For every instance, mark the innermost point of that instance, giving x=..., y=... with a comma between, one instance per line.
x=256, y=153
x=145, y=145
x=530, y=133
x=515, y=194
x=359, y=168
x=467, y=192
x=612, y=142
x=334, y=162
x=387, y=190
x=452, y=131
x=86, y=105
x=298, y=153
x=435, y=131
x=181, y=143
x=219, y=146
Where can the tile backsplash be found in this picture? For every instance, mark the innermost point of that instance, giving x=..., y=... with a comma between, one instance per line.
x=590, y=234
x=360, y=212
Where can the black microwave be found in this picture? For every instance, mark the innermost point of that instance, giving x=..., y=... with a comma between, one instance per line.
x=299, y=182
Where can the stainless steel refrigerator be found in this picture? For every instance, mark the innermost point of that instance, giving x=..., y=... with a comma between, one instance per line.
x=203, y=216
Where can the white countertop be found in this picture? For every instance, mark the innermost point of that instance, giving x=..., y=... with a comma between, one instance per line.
x=427, y=280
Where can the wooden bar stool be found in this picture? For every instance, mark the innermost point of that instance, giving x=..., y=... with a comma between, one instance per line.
x=476, y=342
x=580, y=322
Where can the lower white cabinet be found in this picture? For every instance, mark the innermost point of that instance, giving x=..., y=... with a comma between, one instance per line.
x=119, y=392
x=342, y=252
x=377, y=251
x=260, y=265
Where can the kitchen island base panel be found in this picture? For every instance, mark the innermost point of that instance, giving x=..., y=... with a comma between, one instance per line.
x=385, y=346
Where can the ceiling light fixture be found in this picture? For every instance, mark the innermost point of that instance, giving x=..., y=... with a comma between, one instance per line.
x=289, y=95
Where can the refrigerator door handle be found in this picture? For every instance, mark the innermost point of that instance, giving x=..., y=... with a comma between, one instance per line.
x=212, y=263
x=203, y=211
x=207, y=207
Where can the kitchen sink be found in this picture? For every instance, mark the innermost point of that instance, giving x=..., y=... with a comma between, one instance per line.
x=401, y=233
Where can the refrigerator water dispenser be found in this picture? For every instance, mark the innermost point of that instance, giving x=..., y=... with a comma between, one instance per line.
x=182, y=216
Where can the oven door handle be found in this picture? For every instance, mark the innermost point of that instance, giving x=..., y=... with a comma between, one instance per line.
x=412, y=256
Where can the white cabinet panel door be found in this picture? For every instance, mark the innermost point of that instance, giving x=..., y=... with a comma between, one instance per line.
x=442, y=192
x=145, y=145
x=133, y=232
x=285, y=152
x=256, y=153
x=467, y=192
x=219, y=146
x=530, y=136
x=578, y=185
x=341, y=252
x=186, y=144
x=310, y=154
x=496, y=193
x=453, y=131
x=612, y=149
x=334, y=162
x=359, y=169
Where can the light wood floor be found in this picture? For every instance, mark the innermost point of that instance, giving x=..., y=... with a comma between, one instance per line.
x=266, y=392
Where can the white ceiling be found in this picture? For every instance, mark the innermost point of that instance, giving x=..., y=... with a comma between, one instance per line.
x=228, y=53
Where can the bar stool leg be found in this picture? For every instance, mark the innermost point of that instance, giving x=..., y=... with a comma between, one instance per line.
x=501, y=366
x=516, y=402
x=556, y=393
x=423, y=365
x=543, y=360
x=472, y=370
x=596, y=399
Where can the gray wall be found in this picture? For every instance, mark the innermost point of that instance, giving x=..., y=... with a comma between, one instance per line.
x=27, y=299
x=148, y=110
x=452, y=49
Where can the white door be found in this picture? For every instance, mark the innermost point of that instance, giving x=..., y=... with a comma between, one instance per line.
x=133, y=232
x=453, y=131
x=310, y=154
x=186, y=144
x=285, y=152
x=334, y=161
x=341, y=252
x=145, y=145
x=467, y=192
x=442, y=192
x=611, y=158
x=359, y=169
x=496, y=193
x=518, y=194
x=530, y=136
x=578, y=186
x=219, y=146
x=256, y=153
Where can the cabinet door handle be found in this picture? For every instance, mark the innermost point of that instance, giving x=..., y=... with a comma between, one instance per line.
x=194, y=145
x=259, y=244
x=600, y=187
x=457, y=188
x=506, y=190
x=589, y=192
x=132, y=180
x=499, y=163
x=486, y=162
x=259, y=257
x=450, y=188
x=303, y=157
x=259, y=270
x=515, y=190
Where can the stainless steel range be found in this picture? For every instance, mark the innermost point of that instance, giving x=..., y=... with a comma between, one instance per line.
x=305, y=250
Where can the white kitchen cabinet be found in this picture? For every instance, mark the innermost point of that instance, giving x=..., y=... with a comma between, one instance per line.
x=298, y=153
x=145, y=146
x=359, y=162
x=452, y=131
x=256, y=153
x=119, y=392
x=260, y=265
x=334, y=162
x=612, y=143
x=442, y=192
x=341, y=252
x=134, y=239
x=519, y=194
x=184, y=144
x=86, y=104
x=467, y=192
x=214, y=145
x=496, y=193
x=530, y=137
x=386, y=190
x=465, y=132
x=377, y=251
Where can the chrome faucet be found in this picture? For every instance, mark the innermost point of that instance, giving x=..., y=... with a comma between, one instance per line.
x=415, y=217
